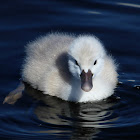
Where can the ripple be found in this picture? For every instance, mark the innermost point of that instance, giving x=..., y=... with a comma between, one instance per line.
x=111, y=113
x=137, y=86
x=130, y=5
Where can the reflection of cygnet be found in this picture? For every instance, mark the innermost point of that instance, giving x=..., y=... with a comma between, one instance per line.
x=71, y=68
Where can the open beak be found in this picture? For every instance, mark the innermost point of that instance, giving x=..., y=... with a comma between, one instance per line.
x=86, y=81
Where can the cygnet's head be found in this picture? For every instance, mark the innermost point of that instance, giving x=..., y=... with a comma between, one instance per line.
x=86, y=59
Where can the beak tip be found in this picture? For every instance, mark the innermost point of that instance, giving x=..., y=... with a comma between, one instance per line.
x=86, y=88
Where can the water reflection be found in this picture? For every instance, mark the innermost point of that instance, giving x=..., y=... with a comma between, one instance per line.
x=130, y=5
x=94, y=12
x=85, y=119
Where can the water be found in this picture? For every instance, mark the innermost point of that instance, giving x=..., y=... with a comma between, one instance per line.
x=36, y=116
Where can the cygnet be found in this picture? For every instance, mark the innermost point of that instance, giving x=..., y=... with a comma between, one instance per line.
x=73, y=68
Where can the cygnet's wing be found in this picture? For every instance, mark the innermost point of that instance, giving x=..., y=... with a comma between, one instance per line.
x=43, y=55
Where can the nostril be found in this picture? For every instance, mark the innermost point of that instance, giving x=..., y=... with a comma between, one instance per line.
x=82, y=73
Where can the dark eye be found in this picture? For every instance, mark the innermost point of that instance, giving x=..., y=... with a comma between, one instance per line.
x=95, y=62
x=76, y=63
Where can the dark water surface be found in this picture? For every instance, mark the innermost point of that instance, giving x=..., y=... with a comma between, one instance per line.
x=35, y=116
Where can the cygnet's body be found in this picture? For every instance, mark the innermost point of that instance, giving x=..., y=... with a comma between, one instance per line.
x=69, y=67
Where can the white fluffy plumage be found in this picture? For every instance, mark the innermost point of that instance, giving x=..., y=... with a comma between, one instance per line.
x=54, y=64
